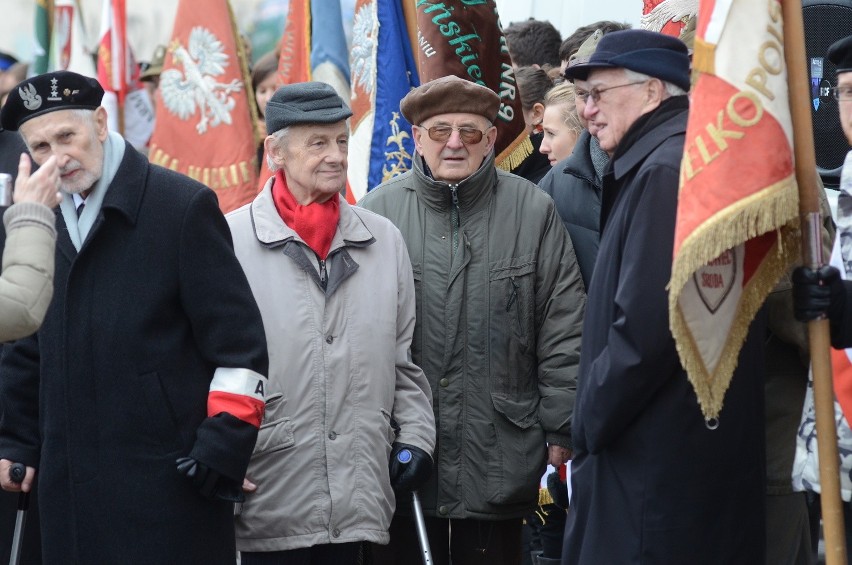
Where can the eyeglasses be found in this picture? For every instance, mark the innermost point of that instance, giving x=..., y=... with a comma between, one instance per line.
x=469, y=136
x=595, y=92
x=842, y=92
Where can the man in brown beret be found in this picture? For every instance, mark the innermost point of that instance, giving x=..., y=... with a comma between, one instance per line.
x=500, y=302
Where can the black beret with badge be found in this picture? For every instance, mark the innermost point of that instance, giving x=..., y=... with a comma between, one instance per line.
x=840, y=53
x=41, y=94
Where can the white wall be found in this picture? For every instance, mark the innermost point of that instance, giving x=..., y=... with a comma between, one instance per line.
x=150, y=21
x=568, y=15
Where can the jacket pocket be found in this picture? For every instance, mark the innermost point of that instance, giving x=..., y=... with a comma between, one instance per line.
x=417, y=339
x=512, y=294
x=160, y=421
x=277, y=431
x=520, y=454
x=511, y=326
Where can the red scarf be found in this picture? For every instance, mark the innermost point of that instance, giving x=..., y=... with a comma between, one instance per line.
x=315, y=223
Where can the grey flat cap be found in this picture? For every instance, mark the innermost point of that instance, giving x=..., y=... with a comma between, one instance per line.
x=304, y=103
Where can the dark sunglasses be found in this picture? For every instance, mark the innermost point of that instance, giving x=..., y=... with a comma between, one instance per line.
x=469, y=136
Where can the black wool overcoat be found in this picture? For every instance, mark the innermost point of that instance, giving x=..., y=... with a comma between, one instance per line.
x=652, y=484
x=113, y=387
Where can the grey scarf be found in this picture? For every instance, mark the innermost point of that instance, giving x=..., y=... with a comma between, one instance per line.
x=78, y=228
x=600, y=159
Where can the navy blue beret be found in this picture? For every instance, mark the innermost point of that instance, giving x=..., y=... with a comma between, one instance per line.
x=60, y=90
x=648, y=52
x=304, y=103
x=840, y=53
x=6, y=61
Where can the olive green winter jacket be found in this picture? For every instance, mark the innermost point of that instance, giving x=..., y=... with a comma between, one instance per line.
x=497, y=332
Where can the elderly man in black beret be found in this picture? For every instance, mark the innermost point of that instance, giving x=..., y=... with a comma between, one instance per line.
x=500, y=302
x=348, y=425
x=652, y=482
x=139, y=400
x=824, y=292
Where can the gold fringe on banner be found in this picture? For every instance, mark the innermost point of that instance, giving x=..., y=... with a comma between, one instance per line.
x=544, y=497
x=775, y=208
x=515, y=153
x=703, y=57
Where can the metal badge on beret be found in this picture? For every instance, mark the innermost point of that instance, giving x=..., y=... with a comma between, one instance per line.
x=60, y=90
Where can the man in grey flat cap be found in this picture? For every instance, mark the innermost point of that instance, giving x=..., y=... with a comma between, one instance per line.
x=500, y=301
x=336, y=292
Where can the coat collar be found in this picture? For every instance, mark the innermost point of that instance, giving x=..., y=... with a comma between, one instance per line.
x=473, y=192
x=271, y=230
x=579, y=162
x=665, y=122
x=642, y=139
x=124, y=196
x=126, y=199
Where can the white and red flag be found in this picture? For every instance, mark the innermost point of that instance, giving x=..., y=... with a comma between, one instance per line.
x=129, y=108
x=738, y=210
x=70, y=49
x=114, y=59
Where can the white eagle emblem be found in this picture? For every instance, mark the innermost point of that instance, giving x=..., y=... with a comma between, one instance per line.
x=204, y=59
x=365, y=36
x=668, y=11
x=32, y=100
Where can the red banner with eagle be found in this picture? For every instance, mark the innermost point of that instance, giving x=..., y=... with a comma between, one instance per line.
x=205, y=126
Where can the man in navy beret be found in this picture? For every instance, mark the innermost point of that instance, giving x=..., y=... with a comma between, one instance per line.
x=652, y=483
x=137, y=404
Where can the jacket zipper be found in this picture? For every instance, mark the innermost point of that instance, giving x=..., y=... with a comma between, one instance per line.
x=455, y=216
x=323, y=273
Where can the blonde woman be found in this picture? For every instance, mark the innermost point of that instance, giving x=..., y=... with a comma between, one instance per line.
x=560, y=123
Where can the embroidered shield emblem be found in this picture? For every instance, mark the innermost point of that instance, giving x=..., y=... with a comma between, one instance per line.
x=715, y=280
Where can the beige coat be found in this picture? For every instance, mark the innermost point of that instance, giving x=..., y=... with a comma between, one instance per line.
x=339, y=368
x=26, y=285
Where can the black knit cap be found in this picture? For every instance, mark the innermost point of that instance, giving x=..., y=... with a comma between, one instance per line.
x=305, y=103
x=648, y=52
x=41, y=94
x=840, y=53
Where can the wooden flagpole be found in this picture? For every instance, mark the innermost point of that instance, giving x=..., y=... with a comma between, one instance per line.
x=818, y=330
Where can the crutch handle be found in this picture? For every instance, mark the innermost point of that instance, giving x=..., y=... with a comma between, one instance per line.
x=17, y=473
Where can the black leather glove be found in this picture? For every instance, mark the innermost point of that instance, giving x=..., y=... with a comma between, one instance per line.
x=209, y=482
x=410, y=467
x=558, y=490
x=818, y=293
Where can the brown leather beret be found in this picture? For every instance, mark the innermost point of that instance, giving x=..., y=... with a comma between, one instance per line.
x=449, y=95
